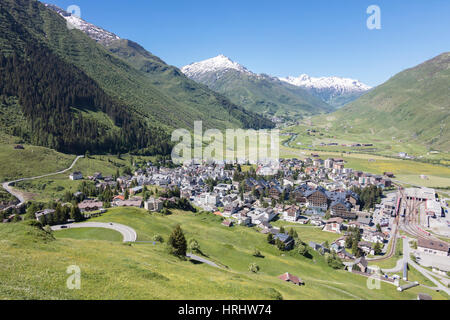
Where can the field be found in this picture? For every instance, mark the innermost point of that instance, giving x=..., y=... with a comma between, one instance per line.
x=32, y=161
x=34, y=265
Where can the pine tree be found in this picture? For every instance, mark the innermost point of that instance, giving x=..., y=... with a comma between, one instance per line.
x=75, y=214
x=270, y=238
x=177, y=242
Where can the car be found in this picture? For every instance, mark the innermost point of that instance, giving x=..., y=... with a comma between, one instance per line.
x=63, y=227
x=110, y=224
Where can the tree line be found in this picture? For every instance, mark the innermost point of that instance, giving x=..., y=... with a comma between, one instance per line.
x=53, y=94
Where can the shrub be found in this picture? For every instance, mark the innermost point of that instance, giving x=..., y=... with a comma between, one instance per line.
x=253, y=267
x=257, y=253
x=194, y=246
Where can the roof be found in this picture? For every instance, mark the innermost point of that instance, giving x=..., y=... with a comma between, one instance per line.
x=227, y=223
x=424, y=296
x=363, y=261
x=283, y=237
x=335, y=220
x=289, y=277
x=432, y=244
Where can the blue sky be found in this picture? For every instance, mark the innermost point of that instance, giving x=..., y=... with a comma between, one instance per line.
x=281, y=38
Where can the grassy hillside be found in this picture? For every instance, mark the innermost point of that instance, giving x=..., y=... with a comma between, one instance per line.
x=34, y=265
x=412, y=107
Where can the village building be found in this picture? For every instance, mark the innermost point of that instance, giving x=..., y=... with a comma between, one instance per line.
x=77, y=175
x=291, y=278
x=439, y=248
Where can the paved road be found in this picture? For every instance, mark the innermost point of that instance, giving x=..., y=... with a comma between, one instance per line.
x=18, y=195
x=400, y=263
x=203, y=260
x=128, y=233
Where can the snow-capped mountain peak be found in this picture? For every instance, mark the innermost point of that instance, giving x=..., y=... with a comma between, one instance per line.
x=217, y=64
x=96, y=33
x=339, y=85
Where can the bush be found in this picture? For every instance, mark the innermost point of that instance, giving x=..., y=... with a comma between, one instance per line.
x=194, y=246
x=48, y=229
x=158, y=238
x=257, y=253
x=302, y=250
x=333, y=261
x=253, y=267
x=34, y=223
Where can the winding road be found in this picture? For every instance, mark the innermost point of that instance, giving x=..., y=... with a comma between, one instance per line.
x=19, y=196
x=128, y=233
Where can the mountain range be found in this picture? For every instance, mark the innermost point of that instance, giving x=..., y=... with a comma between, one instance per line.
x=259, y=93
x=335, y=91
x=263, y=93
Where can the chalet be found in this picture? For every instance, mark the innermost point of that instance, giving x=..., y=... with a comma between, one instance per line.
x=366, y=247
x=329, y=163
x=227, y=223
x=275, y=191
x=90, y=205
x=298, y=194
x=153, y=204
x=77, y=175
x=230, y=209
x=439, y=248
x=342, y=209
x=344, y=255
x=136, y=202
x=286, y=239
x=136, y=190
x=243, y=219
x=318, y=247
x=316, y=199
x=290, y=278
x=98, y=176
x=334, y=225
x=361, y=264
x=291, y=214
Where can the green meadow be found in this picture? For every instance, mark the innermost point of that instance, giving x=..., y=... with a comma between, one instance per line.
x=34, y=264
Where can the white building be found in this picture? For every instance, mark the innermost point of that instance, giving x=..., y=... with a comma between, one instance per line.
x=77, y=175
x=439, y=248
